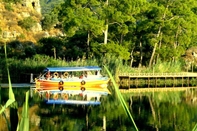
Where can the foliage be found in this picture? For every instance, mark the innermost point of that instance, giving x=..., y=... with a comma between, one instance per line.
x=27, y=23
x=14, y=1
x=17, y=49
x=110, y=48
x=145, y=27
x=8, y=7
x=75, y=47
x=52, y=46
x=134, y=36
x=141, y=32
x=49, y=21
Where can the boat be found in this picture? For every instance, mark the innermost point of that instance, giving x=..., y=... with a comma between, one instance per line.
x=72, y=85
x=80, y=78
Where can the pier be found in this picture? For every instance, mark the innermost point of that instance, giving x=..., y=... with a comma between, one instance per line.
x=17, y=85
x=157, y=80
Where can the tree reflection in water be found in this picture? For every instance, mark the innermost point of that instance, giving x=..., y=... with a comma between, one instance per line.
x=162, y=111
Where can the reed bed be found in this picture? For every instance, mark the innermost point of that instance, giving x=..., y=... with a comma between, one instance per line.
x=37, y=63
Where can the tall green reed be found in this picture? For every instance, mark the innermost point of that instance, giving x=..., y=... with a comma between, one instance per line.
x=120, y=97
x=12, y=104
x=11, y=100
x=23, y=125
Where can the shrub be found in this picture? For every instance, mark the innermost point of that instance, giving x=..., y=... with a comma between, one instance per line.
x=27, y=23
x=8, y=7
x=13, y=1
x=49, y=21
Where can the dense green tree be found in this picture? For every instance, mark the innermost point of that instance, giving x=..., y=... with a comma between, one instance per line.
x=52, y=46
x=178, y=29
x=75, y=47
x=111, y=48
x=168, y=30
x=15, y=49
x=122, y=22
x=20, y=50
x=82, y=16
x=96, y=17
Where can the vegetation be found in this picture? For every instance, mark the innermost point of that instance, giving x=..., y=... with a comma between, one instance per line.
x=120, y=35
x=49, y=21
x=48, y=5
x=149, y=32
x=8, y=7
x=12, y=104
x=13, y=1
x=27, y=23
x=156, y=103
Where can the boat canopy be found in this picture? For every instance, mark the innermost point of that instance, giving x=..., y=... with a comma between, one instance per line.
x=72, y=102
x=67, y=69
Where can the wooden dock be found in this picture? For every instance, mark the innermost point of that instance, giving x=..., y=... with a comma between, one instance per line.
x=152, y=80
x=146, y=75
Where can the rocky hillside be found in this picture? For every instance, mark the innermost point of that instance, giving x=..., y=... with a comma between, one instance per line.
x=22, y=21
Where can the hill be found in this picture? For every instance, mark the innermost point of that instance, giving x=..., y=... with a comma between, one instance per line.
x=22, y=21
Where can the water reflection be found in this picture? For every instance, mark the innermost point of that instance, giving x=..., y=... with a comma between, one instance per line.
x=163, y=111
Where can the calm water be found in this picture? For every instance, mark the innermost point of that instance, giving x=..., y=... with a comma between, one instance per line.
x=155, y=111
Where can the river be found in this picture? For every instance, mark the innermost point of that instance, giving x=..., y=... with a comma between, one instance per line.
x=151, y=111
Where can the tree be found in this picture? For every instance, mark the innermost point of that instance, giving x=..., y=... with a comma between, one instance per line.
x=166, y=29
x=52, y=47
x=81, y=16
x=97, y=17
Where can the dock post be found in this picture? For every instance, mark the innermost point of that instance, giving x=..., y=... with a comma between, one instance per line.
x=104, y=123
x=31, y=92
x=31, y=78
